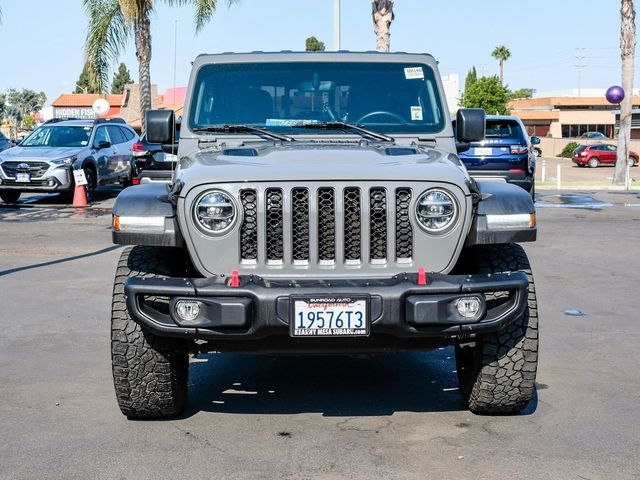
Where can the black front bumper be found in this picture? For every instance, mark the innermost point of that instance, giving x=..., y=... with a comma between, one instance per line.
x=256, y=315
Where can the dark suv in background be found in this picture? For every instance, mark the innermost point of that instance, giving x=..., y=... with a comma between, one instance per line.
x=506, y=153
x=150, y=163
x=45, y=160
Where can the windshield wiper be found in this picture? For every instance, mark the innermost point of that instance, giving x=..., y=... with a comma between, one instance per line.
x=244, y=129
x=348, y=127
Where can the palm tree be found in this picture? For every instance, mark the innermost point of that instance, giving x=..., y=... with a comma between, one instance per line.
x=113, y=22
x=502, y=54
x=382, y=14
x=627, y=52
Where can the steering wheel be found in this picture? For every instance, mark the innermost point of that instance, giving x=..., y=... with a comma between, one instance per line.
x=395, y=116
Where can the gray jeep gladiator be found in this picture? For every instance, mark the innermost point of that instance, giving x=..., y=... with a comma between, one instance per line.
x=319, y=207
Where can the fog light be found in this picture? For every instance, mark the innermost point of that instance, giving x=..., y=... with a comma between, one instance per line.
x=187, y=310
x=468, y=307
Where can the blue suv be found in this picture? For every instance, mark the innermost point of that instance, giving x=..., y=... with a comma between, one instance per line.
x=506, y=153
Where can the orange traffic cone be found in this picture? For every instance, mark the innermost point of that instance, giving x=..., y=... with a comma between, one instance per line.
x=79, y=196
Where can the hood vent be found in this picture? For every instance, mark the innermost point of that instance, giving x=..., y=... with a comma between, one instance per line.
x=240, y=152
x=398, y=151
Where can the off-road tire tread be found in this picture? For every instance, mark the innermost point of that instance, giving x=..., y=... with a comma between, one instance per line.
x=149, y=373
x=505, y=364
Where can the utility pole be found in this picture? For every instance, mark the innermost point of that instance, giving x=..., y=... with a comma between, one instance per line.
x=336, y=25
x=580, y=65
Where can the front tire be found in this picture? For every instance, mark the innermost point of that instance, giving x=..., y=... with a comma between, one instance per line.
x=632, y=162
x=92, y=183
x=10, y=196
x=593, y=162
x=149, y=373
x=497, y=372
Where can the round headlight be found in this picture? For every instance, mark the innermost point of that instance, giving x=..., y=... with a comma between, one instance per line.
x=215, y=212
x=436, y=210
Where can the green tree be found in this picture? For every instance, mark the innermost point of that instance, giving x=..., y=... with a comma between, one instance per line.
x=84, y=83
x=472, y=77
x=121, y=78
x=488, y=93
x=627, y=53
x=312, y=44
x=26, y=101
x=3, y=106
x=113, y=22
x=521, y=93
x=382, y=15
x=28, y=122
x=502, y=54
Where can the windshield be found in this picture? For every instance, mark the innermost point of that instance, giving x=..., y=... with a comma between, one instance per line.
x=384, y=97
x=58, y=136
x=503, y=129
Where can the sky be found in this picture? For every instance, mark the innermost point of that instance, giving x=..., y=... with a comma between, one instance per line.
x=41, y=41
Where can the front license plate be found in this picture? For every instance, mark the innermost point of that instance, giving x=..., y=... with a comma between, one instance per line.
x=483, y=151
x=23, y=177
x=330, y=317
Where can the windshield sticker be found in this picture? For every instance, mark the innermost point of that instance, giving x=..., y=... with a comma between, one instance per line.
x=411, y=73
x=287, y=122
x=416, y=113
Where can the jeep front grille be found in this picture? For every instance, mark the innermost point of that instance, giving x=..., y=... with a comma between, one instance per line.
x=249, y=228
x=36, y=169
x=274, y=224
x=326, y=225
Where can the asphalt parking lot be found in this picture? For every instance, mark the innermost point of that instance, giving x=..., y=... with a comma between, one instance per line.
x=395, y=416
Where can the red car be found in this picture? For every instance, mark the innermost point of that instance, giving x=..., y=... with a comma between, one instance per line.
x=600, y=154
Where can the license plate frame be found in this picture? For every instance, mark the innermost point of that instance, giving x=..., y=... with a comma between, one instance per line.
x=23, y=177
x=483, y=151
x=327, y=304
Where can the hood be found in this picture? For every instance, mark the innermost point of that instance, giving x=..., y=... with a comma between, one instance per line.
x=323, y=162
x=45, y=154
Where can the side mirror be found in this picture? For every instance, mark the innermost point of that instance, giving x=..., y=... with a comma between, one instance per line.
x=103, y=144
x=535, y=140
x=159, y=125
x=470, y=125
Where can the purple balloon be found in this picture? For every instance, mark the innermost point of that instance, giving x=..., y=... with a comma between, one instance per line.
x=615, y=94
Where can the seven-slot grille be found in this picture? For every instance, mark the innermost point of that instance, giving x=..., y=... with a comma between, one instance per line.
x=326, y=225
x=36, y=169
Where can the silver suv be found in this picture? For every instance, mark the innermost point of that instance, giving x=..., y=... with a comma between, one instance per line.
x=43, y=162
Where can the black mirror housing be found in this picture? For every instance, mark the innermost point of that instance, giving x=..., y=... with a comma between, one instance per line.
x=159, y=126
x=103, y=144
x=470, y=125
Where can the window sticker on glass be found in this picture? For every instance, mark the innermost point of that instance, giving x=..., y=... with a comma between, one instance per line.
x=287, y=122
x=416, y=113
x=411, y=73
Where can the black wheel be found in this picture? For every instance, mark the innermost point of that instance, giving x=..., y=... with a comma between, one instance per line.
x=10, y=196
x=532, y=191
x=497, y=372
x=149, y=373
x=92, y=183
x=593, y=162
x=538, y=151
x=632, y=162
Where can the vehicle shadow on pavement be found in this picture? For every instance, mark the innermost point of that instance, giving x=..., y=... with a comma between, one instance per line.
x=333, y=386
x=59, y=260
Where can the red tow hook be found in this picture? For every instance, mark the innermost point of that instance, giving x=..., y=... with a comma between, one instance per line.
x=422, y=276
x=235, y=279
